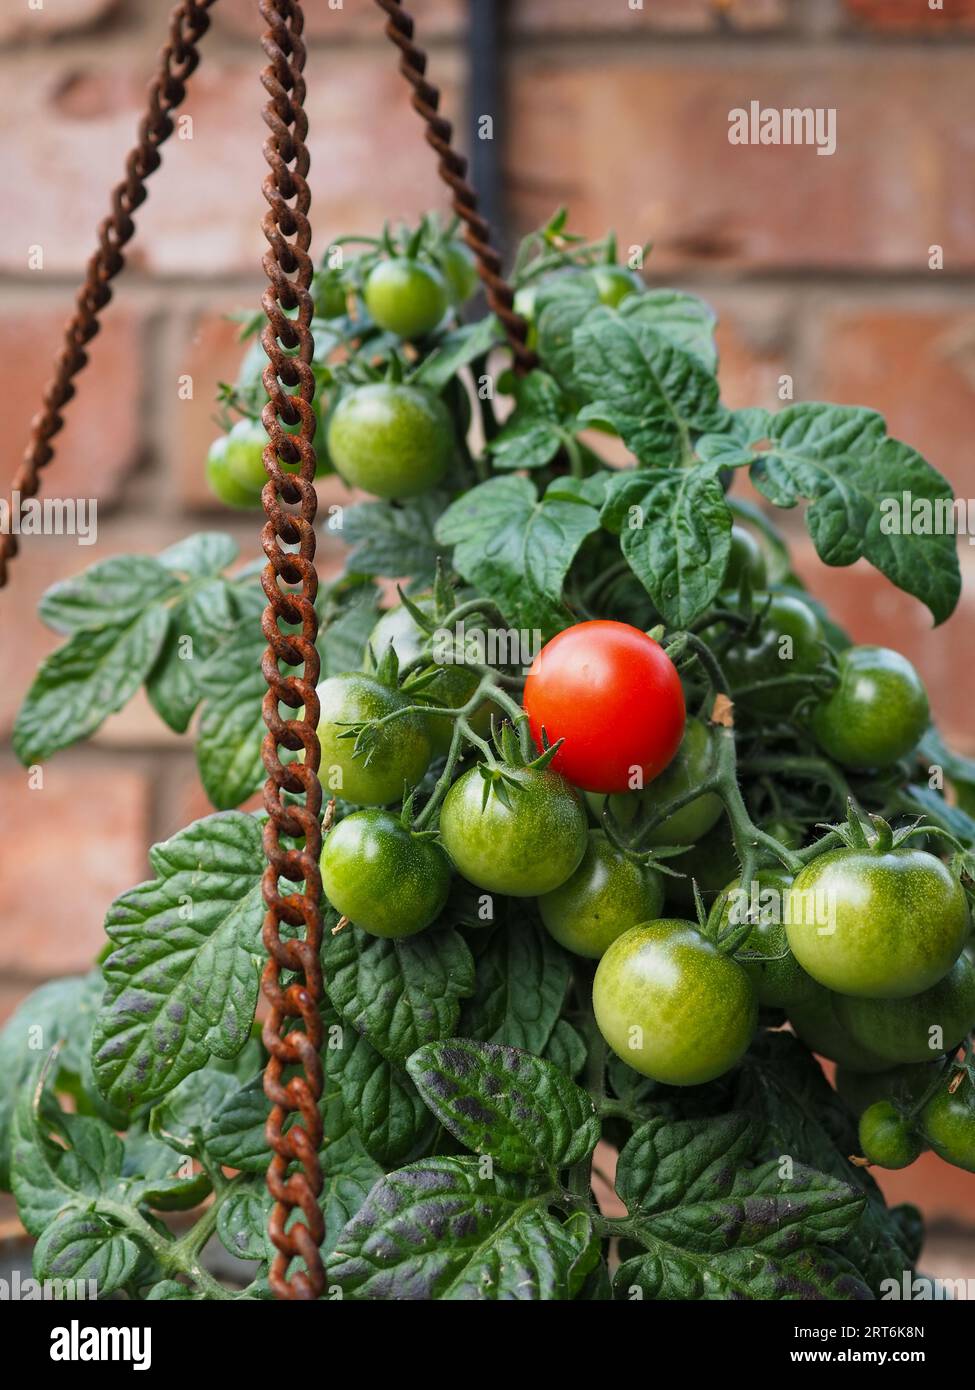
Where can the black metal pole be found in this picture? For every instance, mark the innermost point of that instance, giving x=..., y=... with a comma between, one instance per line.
x=485, y=100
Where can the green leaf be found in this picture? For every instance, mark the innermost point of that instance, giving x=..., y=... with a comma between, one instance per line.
x=394, y=539
x=657, y=395
x=522, y=979
x=925, y=801
x=242, y=1221
x=714, y=1228
x=385, y=1107
x=184, y=1118
x=440, y=1230
x=534, y=433
x=566, y=1048
x=78, y=686
x=840, y=458
x=517, y=549
x=504, y=1102
x=780, y=1083
x=199, y=622
x=110, y=594
x=182, y=982
x=47, y=1176
x=455, y=350
x=154, y=1170
x=810, y=1273
x=561, y=305
x=525, y=443
x=59, y=1011
x=682, y=319
x=229, y=741
x=343, y=637
x=398, y=994
x=204, y=554
x=83, y=1246
x=676, y=536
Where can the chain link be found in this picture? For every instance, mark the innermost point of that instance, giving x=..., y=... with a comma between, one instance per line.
x=290, y=504
x=188, y=22
x=452, y=168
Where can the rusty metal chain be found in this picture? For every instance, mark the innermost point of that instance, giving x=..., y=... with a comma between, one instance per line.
x=188, y=22
x=291, y=584
x=452, y=168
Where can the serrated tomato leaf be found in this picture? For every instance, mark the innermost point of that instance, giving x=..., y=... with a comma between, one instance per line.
x=502, y=1101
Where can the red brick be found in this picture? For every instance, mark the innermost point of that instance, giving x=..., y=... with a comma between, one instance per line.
x=100, y=442
x=66, y=851
x=53, y=20
x=641, y=142
x=916, y=368
x=204, y=211
x=911, y=16
x=751, y=352
x=548, y=17
x=873, y=610
x=435, y=19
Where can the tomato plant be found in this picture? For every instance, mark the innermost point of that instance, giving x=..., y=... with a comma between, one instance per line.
x=517, y=637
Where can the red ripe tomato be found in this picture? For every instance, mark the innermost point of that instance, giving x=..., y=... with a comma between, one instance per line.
x=615, y=696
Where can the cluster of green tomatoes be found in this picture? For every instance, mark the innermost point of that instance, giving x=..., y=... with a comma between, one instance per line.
x=389, y=438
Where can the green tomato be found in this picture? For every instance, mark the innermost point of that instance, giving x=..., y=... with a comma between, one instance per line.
x=877, y=712
x=614, y=283
x=877, y=924
x=746, y=557
x=917, y=1028
x=328, y=295
x=406, y=297
x=459, y=270
x=787, y=644
x=886, y=1137
x=688, y=767
x=400, y=754
x=391, y=440
x=815, y=1023
x=671, y=1005
x=524, y=848
x=453, y=686
x=711, y=863
x=948, y=1124
x=607, y=894
x=905, y=1085
x=779, y=979
x=383, y=877
x=224, y=487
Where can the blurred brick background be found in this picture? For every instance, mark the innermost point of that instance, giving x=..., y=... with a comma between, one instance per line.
x=818, y=267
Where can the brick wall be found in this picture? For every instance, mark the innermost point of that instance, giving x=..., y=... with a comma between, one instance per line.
x=819, y=267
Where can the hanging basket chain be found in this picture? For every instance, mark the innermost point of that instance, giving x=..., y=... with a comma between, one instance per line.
x=188, y=23
x=292, y=792
x=452, y=168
